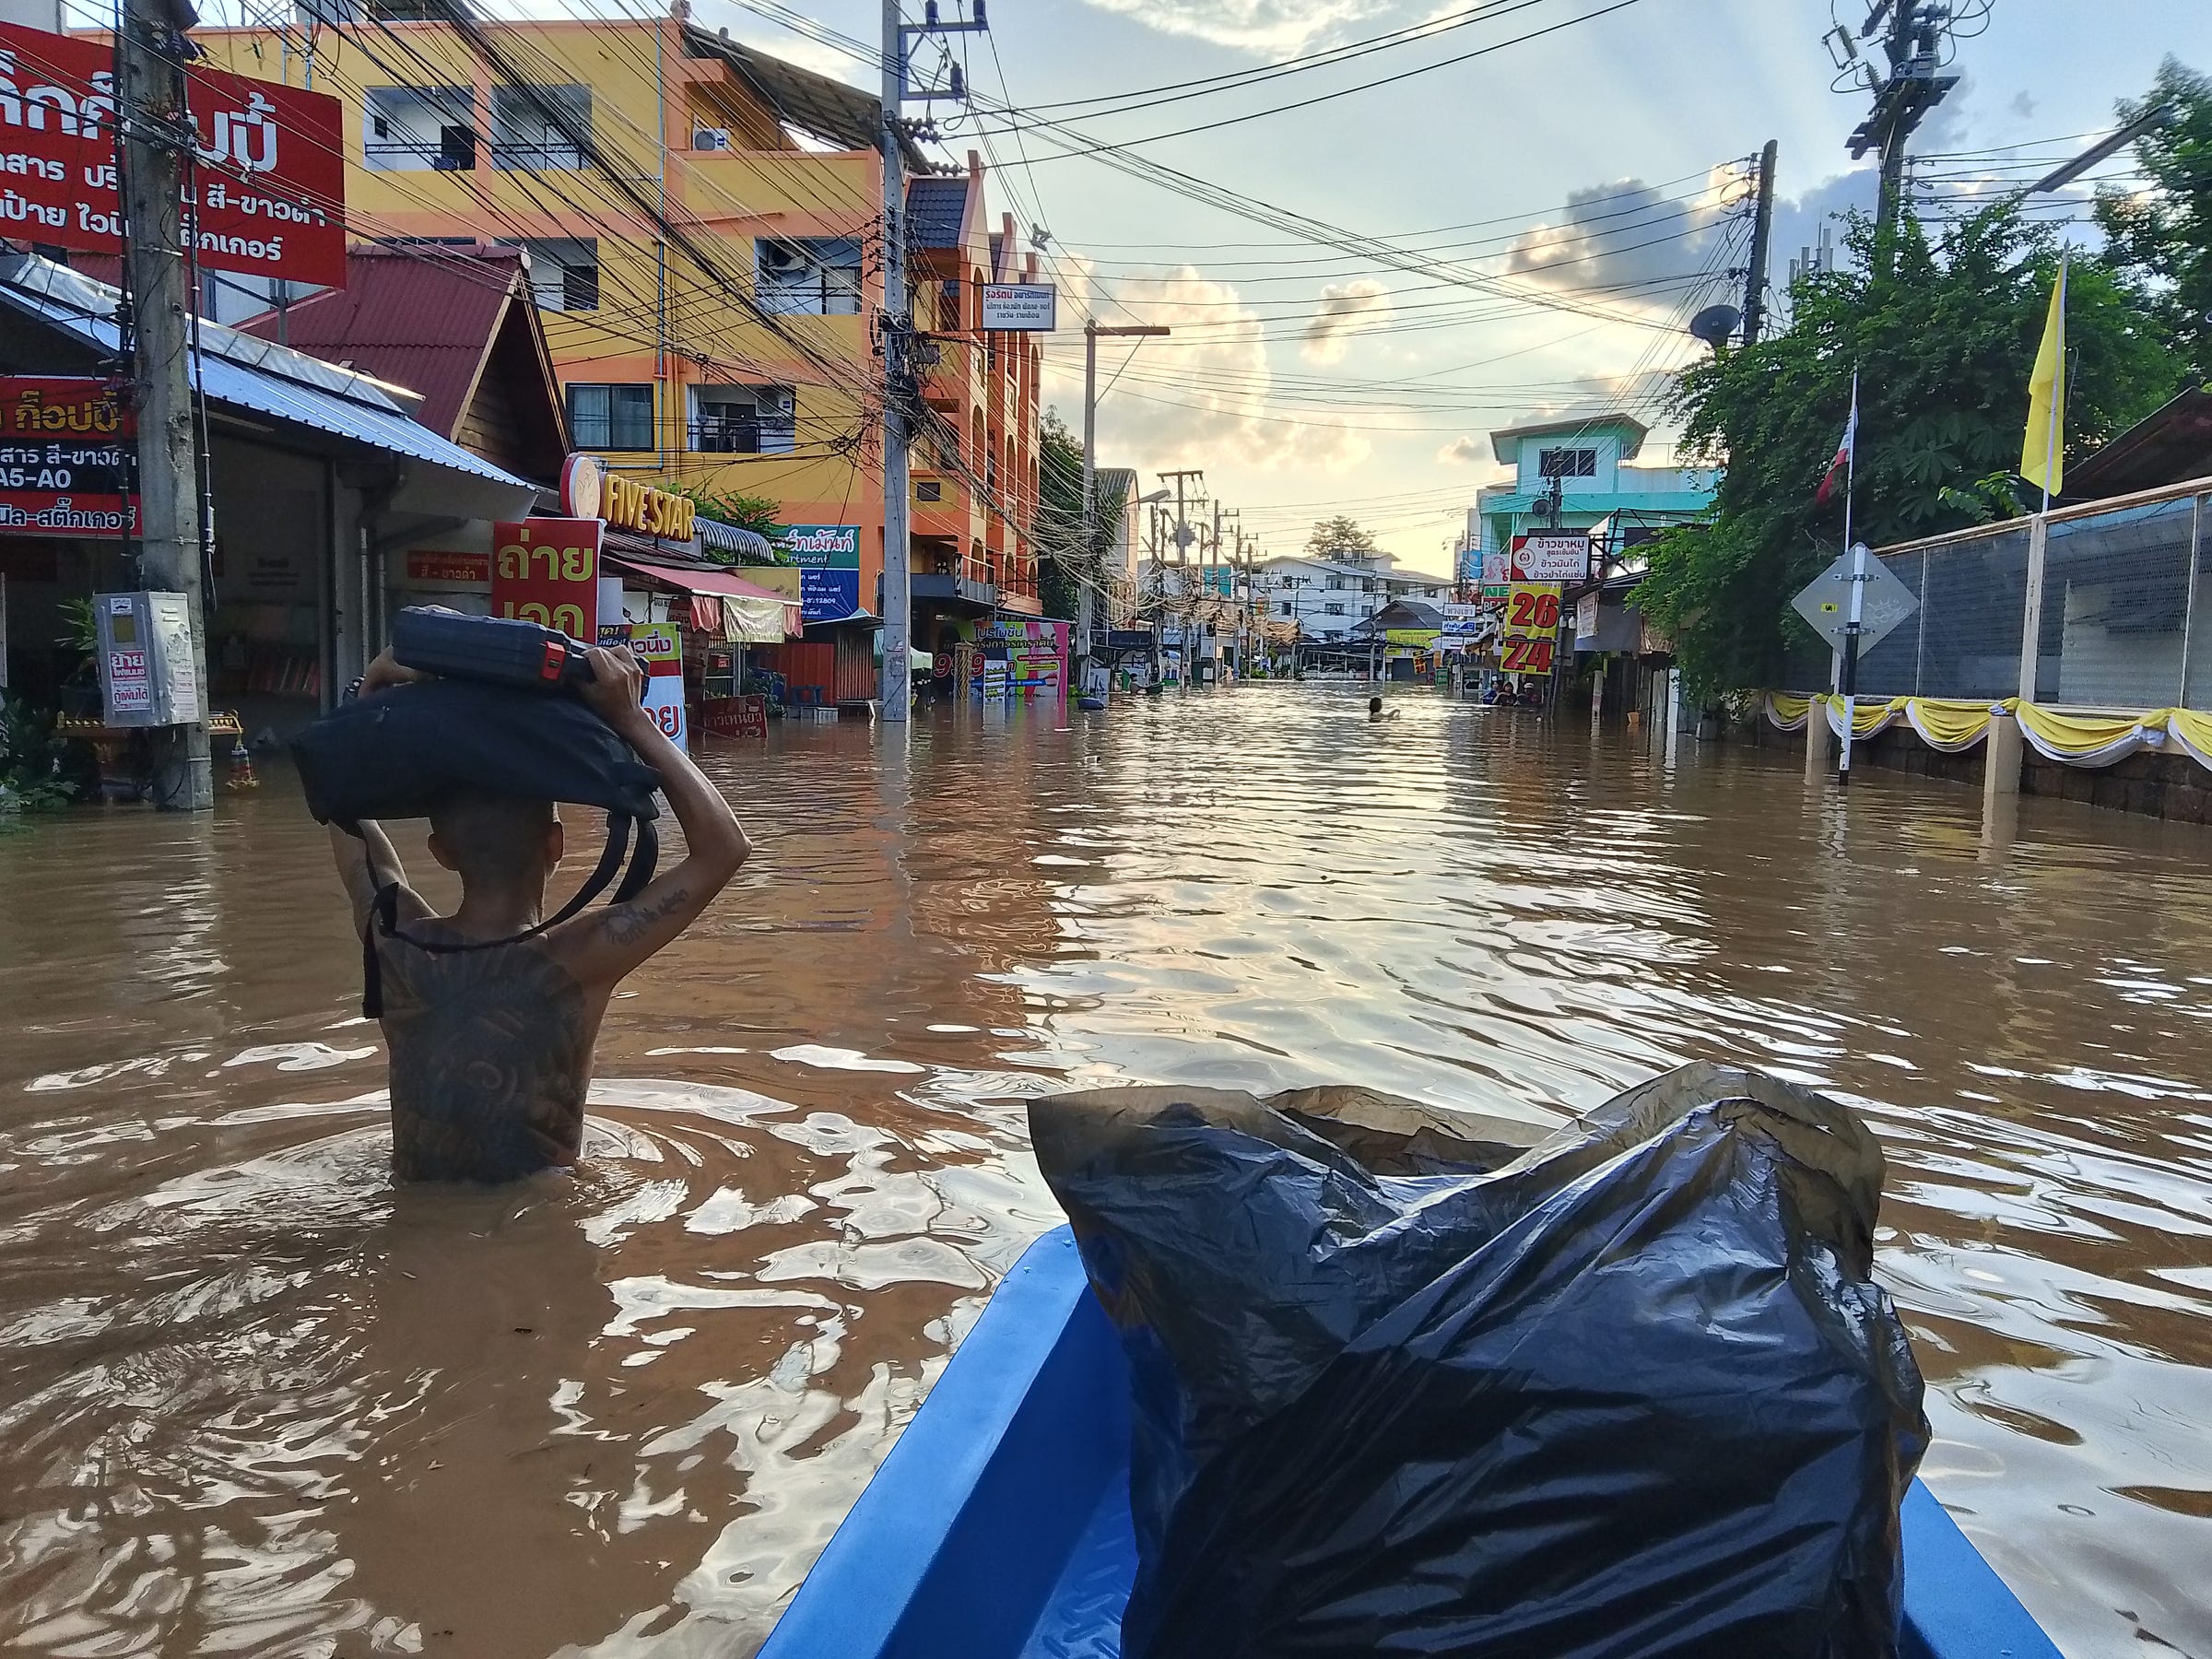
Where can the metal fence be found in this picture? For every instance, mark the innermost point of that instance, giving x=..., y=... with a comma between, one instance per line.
x=2104, y=606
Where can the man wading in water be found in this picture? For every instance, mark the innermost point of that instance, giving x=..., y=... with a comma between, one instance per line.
x=491, y=1048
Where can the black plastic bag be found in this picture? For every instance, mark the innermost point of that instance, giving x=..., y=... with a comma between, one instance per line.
x=1412, y=1384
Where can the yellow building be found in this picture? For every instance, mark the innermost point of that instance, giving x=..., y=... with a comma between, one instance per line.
x=702, y=227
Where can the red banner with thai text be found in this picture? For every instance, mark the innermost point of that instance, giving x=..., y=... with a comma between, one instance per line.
x=546, y=571
x=65, y=462
x=271, y=162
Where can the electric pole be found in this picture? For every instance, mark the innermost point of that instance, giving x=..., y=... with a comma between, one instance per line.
x=155, y=131
x=1762, y=231
x=897, y=679
x=1913, y=34
x=1182, y=557
x=1091, y=332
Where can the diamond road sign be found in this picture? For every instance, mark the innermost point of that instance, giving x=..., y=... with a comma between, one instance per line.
x=1827, y=599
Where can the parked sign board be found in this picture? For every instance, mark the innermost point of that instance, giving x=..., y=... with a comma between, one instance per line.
x=270, y=182
x=659, y=648
x=1557, y=556
x=64, y=456
x=829, y=560
x=546, y=571
x=1531, y=633
x=1021, y=307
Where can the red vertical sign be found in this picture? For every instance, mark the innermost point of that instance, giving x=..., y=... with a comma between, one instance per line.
x=546, y=571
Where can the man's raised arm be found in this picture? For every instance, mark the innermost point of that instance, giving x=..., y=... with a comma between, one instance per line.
x=603, y=948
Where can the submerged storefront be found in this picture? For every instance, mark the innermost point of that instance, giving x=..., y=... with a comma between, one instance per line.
x=323, y=487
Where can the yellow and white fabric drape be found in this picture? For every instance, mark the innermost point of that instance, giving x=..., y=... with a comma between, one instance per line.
x=1955, y=726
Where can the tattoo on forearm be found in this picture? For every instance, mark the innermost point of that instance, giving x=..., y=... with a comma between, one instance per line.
x=631, y=923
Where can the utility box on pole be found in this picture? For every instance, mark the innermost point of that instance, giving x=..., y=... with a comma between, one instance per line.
x=150, y=672
x=157, y=136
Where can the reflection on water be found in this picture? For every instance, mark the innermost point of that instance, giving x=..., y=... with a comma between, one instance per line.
x=253, y=1401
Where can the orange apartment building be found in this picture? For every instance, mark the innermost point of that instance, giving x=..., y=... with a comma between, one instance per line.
x=732, y=350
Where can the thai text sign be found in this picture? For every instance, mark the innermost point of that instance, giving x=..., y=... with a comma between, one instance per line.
x=546, y=571
x=1021, y=307
x=659, y=648
x=1531, y=634
x=455, y=570
x=1562, y=555
x=270, y=184
x=64, y=457
x=829, y=560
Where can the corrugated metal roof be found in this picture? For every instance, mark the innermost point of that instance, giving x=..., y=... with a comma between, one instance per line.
x=936, y=209
x=252, y=375
x=822, y=108
x=733, y=538
x=423, y=324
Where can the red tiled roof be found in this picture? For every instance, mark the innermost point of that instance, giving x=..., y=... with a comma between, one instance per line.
x=423, y=323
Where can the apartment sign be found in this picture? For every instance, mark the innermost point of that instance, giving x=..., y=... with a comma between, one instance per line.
x=1557, y=557
x=829, y=560
x=270, y=184
x=1021, y=307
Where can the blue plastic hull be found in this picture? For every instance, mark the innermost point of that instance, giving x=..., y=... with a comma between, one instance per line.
x=998, y=1527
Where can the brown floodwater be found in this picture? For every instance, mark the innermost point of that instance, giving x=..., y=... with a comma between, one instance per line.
x=254, y=1401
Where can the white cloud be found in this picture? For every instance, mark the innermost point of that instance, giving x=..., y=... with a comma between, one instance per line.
x=1202, y=395
x=1346, y=309
x=1271, y=28
x=1465, y=451
x=1626, y=231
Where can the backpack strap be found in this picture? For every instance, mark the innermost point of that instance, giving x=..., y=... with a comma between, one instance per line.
x=383, y=915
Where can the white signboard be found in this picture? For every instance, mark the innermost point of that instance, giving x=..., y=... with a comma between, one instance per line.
x=1496, y=568
x=1586, y=617
x=1826, y=603
x=1021, y=307
x=1561, y=556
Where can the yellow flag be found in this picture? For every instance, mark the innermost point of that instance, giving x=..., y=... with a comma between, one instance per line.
x=2044, y=452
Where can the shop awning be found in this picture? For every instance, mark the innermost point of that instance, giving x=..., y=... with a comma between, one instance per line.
x=750, y=614
x=266, y=379
x=733, y=539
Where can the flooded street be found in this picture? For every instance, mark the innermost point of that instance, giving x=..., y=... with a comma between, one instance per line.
x=253, y=1401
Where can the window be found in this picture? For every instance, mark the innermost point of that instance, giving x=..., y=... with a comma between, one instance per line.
x=1289, y=609
x=1567, y=464
x=418, y=129
x=1332, y=610
x=611, y=417
x=744, y=421
x=1334, y=584
x=816, y=275
x=564, y=272
x=928, y=489
x=531, y=128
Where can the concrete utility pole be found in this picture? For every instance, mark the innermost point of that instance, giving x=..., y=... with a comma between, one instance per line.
x=1183, y=554
x=1091, y=333
x=1912, y=44
x=155, y=132
x=1762, y=232
x=896, y=688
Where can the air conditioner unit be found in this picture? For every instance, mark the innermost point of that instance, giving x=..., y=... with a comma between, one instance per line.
x=775, y=402
x=710, y=138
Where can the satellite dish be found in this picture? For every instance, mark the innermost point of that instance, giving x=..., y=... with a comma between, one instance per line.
x=1715, y=324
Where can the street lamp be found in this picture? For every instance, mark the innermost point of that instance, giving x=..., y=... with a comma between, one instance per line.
x=1092, y=334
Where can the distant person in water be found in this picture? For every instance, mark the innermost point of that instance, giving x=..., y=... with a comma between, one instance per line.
x=490, y=1037
x=1374, y=709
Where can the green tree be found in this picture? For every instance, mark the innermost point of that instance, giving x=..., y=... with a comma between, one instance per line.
x=2163, y=234
x=1943, y=335
x=1068, y=556
x=1338, y=534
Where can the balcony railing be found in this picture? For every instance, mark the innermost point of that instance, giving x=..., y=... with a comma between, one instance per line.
x=740, y=435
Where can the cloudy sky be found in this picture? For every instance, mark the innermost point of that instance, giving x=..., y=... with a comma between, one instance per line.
x=1363, y=286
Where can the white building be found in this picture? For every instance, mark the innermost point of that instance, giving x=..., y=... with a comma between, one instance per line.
x=1330, y=596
